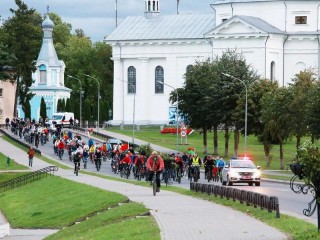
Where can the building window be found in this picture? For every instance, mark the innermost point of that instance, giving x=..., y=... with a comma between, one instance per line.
x=43, y=74
x=1, y=92
x=273, y=71
x=131, y=79
x=301, y=19
x=159, y=79
x=224, y=19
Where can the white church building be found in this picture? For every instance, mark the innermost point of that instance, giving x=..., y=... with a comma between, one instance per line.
x=151, y=53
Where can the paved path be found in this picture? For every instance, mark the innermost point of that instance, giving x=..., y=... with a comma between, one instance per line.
x=178, y=216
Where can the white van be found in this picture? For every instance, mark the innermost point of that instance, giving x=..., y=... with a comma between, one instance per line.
x=61, y=118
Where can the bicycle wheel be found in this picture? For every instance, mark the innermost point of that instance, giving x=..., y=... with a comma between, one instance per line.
x=154, y=185
x=179, y=176
x=85, y=164
x=77, y=170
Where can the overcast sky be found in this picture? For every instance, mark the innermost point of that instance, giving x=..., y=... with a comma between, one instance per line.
x=97, y=17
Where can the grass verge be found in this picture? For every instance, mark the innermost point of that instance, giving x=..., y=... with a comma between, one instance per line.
x=9, y=175
x=13, y=165
x=44, y=158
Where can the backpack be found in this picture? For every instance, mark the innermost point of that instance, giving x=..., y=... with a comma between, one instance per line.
x=221, y=164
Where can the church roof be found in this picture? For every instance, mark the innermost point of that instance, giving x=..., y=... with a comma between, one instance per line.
x=256, y=23
x=180, y=26
x=259, y=23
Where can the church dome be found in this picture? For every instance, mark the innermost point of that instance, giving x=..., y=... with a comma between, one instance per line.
x=47, y=23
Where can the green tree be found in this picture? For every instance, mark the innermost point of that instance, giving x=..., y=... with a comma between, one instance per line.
x=300, y=87
x=43, y=109
x=23, y=37
x=63, y=105
x=231, y=91
x=195, y=97
x=277, y=117
x=255, y=126
x=69, y=105
x=313, y=111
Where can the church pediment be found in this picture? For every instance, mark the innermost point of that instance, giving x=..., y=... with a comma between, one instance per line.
x=242, y=25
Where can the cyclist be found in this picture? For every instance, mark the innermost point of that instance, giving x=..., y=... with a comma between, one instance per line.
x=85, y=155
x=155, y=164
x=220, y=164
x=97, y=158
x=138, y=163
x=178, y=160
x=195, y=164
x=125, y=162
x=77, y=158
x=61, y=146
x=209, y=163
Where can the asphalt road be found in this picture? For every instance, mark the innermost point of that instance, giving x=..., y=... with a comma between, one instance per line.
x=290, y=202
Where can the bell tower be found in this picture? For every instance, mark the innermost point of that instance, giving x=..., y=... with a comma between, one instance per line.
x=152, y=8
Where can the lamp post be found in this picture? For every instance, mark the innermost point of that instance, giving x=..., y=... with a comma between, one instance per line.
x=134, y=107
x=80, y=97
x=98, y=97
x=246, y=110
x=177, y=125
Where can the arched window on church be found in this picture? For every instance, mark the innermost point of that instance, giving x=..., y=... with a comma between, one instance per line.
x=189, y=68
x=131, y=79
x=159, y=79
x=273, y=71
x=43, y=74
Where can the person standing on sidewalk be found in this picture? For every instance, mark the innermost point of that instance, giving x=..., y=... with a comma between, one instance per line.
x=31, y=154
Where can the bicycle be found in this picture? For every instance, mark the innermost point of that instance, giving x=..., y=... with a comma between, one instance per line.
x=209, y=175
x=179, y=175
x=85, y=161
x=154, y=183
x=139, y=172
x=125, y=171
x=60, y=153
x=77, y=167
x=167, y=177
x=194, y=173
x=98, y=163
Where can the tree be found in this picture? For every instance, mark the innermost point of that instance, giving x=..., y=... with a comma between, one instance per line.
x=276, y=116
x=313, y=111
x=255, y=126
x=300, y=87
x=195, y=96
x=43, y=109
x=63, y=105
x=231, y=90
x=23, y=37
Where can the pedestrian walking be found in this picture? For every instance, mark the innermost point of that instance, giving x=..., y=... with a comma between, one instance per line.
x=31, y=154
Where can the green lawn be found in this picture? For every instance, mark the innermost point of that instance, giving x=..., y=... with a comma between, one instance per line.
x=12, y=164
x=254, y=148
x=9, y=175
x=55, y=202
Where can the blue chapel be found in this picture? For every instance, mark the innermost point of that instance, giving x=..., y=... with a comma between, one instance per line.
x=48, y=79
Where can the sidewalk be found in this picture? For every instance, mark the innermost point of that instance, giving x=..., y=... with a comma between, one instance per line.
x=178, y=216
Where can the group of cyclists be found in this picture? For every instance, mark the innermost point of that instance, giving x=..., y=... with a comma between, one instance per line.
x=123, y=161
x=34, y=133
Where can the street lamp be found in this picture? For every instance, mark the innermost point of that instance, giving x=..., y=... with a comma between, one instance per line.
x=246, y=110
x=80, y=97
x=177, y=125
x=134, y=107
x=98, y=97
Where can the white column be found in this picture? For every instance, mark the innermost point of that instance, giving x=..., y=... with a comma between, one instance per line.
x=118, y=94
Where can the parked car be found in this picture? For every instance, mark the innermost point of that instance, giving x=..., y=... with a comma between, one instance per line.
x=240, y=171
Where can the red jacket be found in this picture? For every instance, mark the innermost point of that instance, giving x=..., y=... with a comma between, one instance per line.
x=139, y=160
x=158, y=166
x=61, y=145
x=126, y=159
